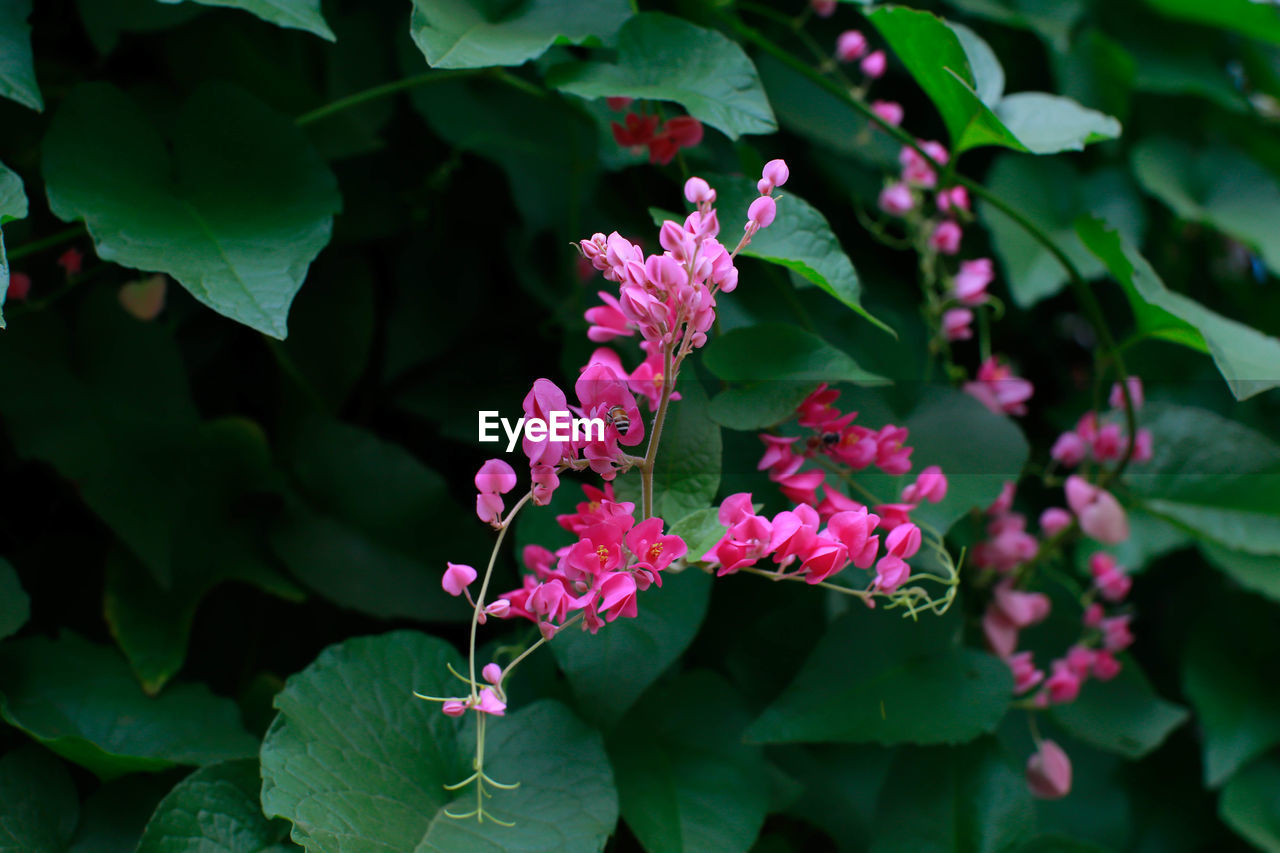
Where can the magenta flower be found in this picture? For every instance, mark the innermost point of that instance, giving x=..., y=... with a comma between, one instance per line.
x=1022, y=609
x=1110, y=579
x=490, y=703
x=957, y=324
x=1116, y=398
x=1070, y=449
x=1116, y=636
x=874, y=64
x=495, y=476
x=997, y=388
x=1100, y=514
x=897, y=199
x=823, y=8
x=607, y=320
x=618, y=596
x=824, y=557
x=543, y=399
x=851, y=46
x=930, y=485
x=457, y=577
x=1000, y=633
x=890, y=111
x=654, y=551
x=1049, y=772
x=1105, y=665
x=970, y=283
x=854, y=529
x=1063, y=684
x=946, y=237
x=1025, y=674
x=1054, y=520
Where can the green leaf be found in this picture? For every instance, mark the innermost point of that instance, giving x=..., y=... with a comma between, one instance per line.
x=700, y=531
x=1250, y=804
x=1248, y=359
x=799, y=239
x=1250, y=18
x=1051, y=19
x=1123, y=715
x=914, y=684
x=43, y=688
x=1027, y=121
x=777, y=352
x=1220, y=187
x=17, y=68
x=1226, y=673
x=214, y=545
x=610, y=670
x=364, y=502
x=546, y=146
x=105, y=22
x=1047, y=124
x=112, y=817
x=988, y=74
x=1053, y=194
x=662, y=58
x=961, y=798
x=13, y=199
x=358, y=764
x=686, y=780
x=15, y=606
x=38, y=802
x=992, y=453
x=106, y=402
x=294, y=14
x=686, y=473
x=215, y=808
x=471, y=34
x=1257, y=573
x=235, y=213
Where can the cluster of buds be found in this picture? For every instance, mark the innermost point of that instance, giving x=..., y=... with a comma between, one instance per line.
x=852, y=46
x=1101, y=439
x=663, y=139
x=998, y=388
x=1105, y=627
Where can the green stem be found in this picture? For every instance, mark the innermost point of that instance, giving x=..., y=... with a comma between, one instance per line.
x=380, y=91
x=655, y=436
x=64, y=236
x=484, y=587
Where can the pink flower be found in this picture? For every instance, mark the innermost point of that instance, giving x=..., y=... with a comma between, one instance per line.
x=824, y=556
x=893, y=516
x=1069, y=449
x=698, y=191
x=1142, y=446
x=890, y=111
x=1022, y=609
x=823, y=8
x=1054, y=520
x=1001, y=634
x=489, y=508
x=490, y=703
x=1092, y=617
x=498, y=609
x=775, y=173
x=1004, y=501
x=854, y=529
x=543, y=399
x=874, y=64
x=1116, y=636
x=851, y=45
x=1049, y=772
x=930, y=485
x=971, y=281
x=802, y=487
x=654, y=551
x=618, y=596
x=19, y=287
x=1025, y=674
x=454, y=708
x=893, y=456
x=1080, y=660
x=916, y=170
x=495, y=477
x=457, y=577
x=1100, y=514
x=896, y=199
x=891, y=573
x=955, y=197
x=635, y=131
x=946, y=237
x=791, y=533
x=617, y=104
x=491, y=673
x=1063, y=684
x=999, y=389
x=1109, y=443
x=761, y=212
x=1112, y=583
x=1116, y=398
x=1105, y=665
x=903, y=541
x=607, y=320
x=545, y=481
x=956, y=324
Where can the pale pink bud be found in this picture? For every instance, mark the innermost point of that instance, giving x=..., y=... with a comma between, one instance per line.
x=499, y=608
x=1069, y=449
x=1001, y=634
x=1080, y=660
x=457, y=577
x=955, y=197
x=890, y=111
x=1116, y=636
x=547, y=630
x=1105, y=665
x=1023, y=609
x=1142, y=446
x=851, y=45
x=896, y=199
x=930, y=485
x=971, y=281
x=761, y=212
x=1054, y=520
x=1063, y=685
x=1049, y=772
x=903, y=541
x=495, y=476
x=1116, y=399
x=491, y=673
x=776, y=172
x=946, y=237
x=874, y=64
x=454, y=708
x=489, y=508
x=957, y=324
x=823, y=8
x=1025, y=674
x=697, y=191
x=1093, y=615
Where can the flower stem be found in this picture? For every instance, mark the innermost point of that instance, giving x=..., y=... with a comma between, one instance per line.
x=381, y=91
x=64, y=236
x=655, y=436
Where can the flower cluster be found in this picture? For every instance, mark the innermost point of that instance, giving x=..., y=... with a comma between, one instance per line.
x=663, y=139
x=796, y=540
x=1101, y=439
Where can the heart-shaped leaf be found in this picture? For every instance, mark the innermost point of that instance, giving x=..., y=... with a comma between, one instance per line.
x=17, y=68
x=215, y=808
x=235, y=204
x=295, y=14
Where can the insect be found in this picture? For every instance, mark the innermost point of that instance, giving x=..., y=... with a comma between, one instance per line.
x=830, y=438
x=618, y=417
